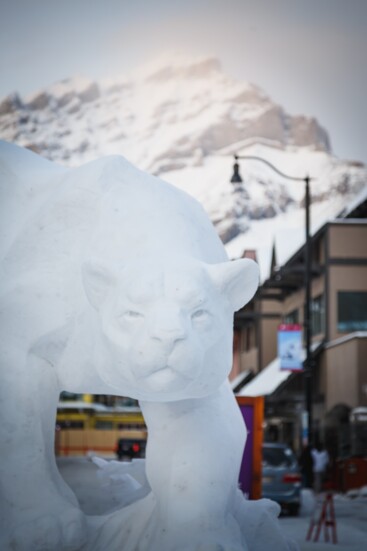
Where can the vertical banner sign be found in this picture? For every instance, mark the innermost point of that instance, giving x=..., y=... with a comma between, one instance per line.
x=290, y=347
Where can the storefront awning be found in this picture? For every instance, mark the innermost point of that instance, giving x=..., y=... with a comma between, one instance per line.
x=241, y=379
x=267, y=381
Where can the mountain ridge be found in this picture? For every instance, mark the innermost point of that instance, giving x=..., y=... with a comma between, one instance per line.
x=209, y=109
x=184, y=121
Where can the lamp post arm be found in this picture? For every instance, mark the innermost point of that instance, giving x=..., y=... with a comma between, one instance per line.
x=307, y=321
x=254, y=158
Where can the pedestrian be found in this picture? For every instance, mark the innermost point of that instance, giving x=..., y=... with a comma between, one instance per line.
x=305, y=461
x=320, y=463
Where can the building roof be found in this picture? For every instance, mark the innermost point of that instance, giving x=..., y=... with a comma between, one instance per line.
x=241, y=379
x=288, y=276
x=346, y=338
x=267, y=381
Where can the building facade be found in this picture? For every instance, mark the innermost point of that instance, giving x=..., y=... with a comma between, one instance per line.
x=339, y=337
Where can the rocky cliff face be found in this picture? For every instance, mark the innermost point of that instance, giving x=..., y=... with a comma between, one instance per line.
x=168, y=112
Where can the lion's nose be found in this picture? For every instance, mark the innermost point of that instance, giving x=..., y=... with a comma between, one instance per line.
x=168, y=327
x=169, y=336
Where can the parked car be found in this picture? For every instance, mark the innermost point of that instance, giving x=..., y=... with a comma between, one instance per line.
x=281, y=478
x=127, y=448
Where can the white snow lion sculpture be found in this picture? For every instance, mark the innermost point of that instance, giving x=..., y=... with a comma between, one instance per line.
x=114, y=282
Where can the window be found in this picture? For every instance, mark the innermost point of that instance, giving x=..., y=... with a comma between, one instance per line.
x=67, y=424
x=291, y=318
x=317, y=312
x=248, y=339
x=352, y=311
x=104, y=425
x=277, y=456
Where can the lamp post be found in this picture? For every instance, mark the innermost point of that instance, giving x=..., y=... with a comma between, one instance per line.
x=236, y=178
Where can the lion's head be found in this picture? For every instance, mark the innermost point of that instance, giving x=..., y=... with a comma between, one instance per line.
x=167, y=325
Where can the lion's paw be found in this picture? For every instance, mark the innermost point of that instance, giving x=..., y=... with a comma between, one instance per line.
x=52, y=531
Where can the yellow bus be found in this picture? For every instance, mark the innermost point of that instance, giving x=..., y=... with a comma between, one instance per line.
x=90, y=428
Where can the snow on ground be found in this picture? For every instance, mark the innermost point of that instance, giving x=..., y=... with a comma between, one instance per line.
x=95, y=498
x=351, y=523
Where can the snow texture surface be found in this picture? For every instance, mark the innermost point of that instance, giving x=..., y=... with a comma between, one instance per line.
x=115, y=282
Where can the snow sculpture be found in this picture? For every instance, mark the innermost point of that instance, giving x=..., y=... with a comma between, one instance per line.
x=115, y=282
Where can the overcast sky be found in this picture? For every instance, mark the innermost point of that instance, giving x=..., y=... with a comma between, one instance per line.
x=308, y=55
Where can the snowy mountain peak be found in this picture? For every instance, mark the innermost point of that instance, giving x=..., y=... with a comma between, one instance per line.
x=10, y=104
x=172, y=113
x=178, y=65
x=76, y=89
x=182, y=118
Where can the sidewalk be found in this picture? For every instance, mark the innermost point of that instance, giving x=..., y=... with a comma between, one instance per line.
x=351, y=524
x=351, y=514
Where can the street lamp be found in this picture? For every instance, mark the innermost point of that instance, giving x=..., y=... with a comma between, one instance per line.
x=236, y=178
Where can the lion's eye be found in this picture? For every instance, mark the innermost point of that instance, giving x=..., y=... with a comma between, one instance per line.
x=199, y=314
x=132, y=315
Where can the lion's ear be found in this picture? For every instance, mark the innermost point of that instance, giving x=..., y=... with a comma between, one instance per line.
x=97, y=281
x=237, y=280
